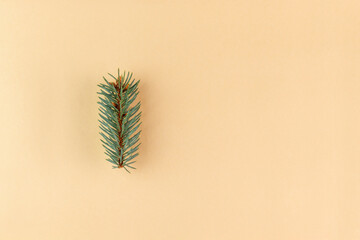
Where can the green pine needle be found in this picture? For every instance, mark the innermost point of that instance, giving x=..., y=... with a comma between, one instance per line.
x=120, y=119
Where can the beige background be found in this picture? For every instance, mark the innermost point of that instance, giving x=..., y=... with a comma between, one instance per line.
x=251, y=120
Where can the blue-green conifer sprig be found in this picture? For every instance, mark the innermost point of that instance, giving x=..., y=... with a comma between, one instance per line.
x=120, y=119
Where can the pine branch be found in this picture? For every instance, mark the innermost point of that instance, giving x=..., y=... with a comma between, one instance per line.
x=119, y=119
